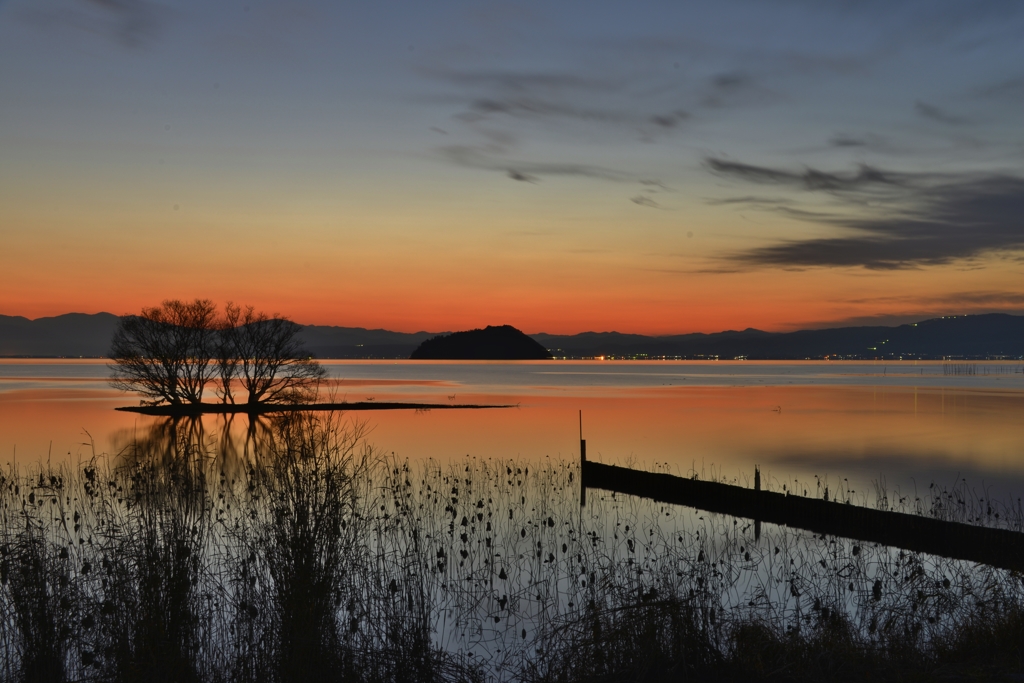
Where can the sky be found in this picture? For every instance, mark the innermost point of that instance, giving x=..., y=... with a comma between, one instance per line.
x=648, y=167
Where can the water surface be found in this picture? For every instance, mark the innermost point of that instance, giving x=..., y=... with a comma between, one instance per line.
x=905, y=423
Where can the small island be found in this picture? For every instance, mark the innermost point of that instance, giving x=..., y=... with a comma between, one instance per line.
x=171, y=353
x=502, y=342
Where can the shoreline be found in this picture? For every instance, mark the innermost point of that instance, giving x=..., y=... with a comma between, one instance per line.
x=244, y=408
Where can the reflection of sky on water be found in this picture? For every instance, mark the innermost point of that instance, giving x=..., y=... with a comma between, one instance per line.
x=903, y=422
x=579, y=374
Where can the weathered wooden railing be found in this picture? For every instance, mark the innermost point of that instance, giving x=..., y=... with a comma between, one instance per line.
x=995, y=547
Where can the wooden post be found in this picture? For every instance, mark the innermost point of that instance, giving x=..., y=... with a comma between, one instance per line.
x=583, y=462
x=996, y=547
x=757, y=487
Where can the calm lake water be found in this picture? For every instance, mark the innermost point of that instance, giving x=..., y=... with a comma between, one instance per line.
x=483, y=523
x=907, y=424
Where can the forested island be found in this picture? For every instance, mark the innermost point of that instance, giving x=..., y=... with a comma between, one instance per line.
x=502, y=342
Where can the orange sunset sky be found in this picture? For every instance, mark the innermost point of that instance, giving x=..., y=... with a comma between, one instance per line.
x=658, y=168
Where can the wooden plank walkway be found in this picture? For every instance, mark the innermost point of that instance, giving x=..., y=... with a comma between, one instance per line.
x=995, y=547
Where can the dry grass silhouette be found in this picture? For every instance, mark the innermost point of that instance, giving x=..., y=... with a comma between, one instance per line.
x=303, y=554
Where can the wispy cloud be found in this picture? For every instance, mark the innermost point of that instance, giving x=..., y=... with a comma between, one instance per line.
x=984, y=299
x=865, y=179
x=847, y=141
x=735, y=89
x=753, y=200
x=933, y=113
x=643, y=200
x=872, y=142
x=922, y=219
x=1010, y=89
x=494, y=108
x=488, y=96
x=133, y=23
x=520, y=176
x=911, y=309
x=526, y=107
x=521, y=81
x=494, y=159
x=671, y=119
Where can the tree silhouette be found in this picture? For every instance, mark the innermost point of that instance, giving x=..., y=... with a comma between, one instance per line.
x=165, y=353
x=265, y=356
x=170, y=352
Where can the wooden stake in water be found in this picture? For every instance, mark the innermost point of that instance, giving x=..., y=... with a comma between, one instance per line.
x=757, y=487
x=583, y=459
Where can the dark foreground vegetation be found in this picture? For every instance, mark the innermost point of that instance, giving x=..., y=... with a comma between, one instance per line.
x=296, y=553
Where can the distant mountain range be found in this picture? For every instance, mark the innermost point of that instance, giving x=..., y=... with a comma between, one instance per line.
x=993, y=335
x=76, y=335
x=69, y=335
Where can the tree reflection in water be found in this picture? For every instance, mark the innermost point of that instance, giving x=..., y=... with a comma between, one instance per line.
x=287, y=549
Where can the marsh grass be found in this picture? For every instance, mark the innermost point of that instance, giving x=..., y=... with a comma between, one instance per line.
x=305, y=555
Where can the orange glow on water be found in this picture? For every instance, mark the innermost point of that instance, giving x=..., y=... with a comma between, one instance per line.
x=861, y=421
x=862, y=432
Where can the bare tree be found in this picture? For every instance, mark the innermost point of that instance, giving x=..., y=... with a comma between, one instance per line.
x=165, y=353
x=266, y=357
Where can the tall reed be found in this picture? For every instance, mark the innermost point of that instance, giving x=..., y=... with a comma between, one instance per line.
x=303, y=554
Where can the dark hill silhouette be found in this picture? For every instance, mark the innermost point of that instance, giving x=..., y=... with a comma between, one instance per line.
x=325, y=341
x=69, y=335
x=491, y=343
x=968, y=336
x=74, y=335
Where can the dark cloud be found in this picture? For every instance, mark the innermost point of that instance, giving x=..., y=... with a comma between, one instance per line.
x=643, y=200
x=526, y=107
x=749, y=199
x=933, y=113
x=133, y=23
x=991, y=300
x=915, y=310
x=520, y=176
x=559, y=97
x=866, y=179
x=736, y=88
x=847, y=141
x=526, y=95
x=492, y=159
x=498, y=140
x=522, y=107
x=523, y=81
x=931, y=220
x=606, y=99
x=874, y=143
x=1012, y=90
x=670, y=120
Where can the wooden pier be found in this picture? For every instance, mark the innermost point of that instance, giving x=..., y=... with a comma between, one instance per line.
x=995, y=547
